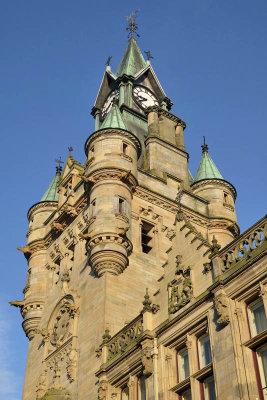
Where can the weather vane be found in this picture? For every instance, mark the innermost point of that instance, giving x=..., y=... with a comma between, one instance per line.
x=58, y=167
x=148, y=55
x=204, y=146
x=70, y=149
x=108, y=60
x=132, y=25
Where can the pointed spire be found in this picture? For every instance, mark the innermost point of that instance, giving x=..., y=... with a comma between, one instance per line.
x=114, y=119
x=207, y=169
x=52, y=192
x=132, y=61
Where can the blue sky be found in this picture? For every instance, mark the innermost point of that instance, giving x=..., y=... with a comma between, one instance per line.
x=210, y=57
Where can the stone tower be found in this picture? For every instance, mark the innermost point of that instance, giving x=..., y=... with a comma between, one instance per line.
x=101, y=234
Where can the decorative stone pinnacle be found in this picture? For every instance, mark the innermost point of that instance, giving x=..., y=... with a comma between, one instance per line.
x=215, y=247
x=147, y=302
x=106, y=337
x=204, y=146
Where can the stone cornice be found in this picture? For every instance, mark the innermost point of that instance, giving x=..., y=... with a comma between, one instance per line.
x=216, y=181
x=167, y=114
x=113, y=132
x=41, y=204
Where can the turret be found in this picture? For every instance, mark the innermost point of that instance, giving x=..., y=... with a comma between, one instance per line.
x=111, y=175
x=35, y=252
x=221, y=195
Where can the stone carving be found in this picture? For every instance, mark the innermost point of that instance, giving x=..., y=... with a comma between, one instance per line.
x=103, y=390
x=221, y=306
x=181, y=290
x=125, y=338
x=42, y=384
x=72, y=362
x=57, y=393
x=147, y=361
x=61, y=327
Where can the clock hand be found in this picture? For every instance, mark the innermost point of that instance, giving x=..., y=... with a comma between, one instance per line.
x=140, y=98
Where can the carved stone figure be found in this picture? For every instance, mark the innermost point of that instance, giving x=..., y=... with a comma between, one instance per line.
x=147, y=362
x=72, y=364
x=102, y=390
x=221, y=306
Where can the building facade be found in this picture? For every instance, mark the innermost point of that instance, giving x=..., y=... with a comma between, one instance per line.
x=139, y=284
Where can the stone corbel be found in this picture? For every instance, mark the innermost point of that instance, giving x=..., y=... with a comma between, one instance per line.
x=147, y=361
x=222, y=308
x=103, y=390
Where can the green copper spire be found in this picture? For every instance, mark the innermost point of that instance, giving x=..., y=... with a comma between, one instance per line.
x=52, y=192
x=207, y=169
x=132, y=60
x=114, y=119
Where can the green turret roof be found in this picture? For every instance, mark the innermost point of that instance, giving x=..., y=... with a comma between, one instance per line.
x=114, y=119
x=207, y=169
x=132, y=60
x=52, y=192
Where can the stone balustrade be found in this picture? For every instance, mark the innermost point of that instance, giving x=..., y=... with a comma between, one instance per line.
x=244, y=245
x=125, y=338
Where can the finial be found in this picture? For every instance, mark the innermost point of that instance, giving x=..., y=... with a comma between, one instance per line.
x=132, y=25
x=148, y=55
x=204, y=146
x=70, y=149
x=106, y=337
x=58, y=167
x=215, y=247
x=108, y=60
x=147, y=302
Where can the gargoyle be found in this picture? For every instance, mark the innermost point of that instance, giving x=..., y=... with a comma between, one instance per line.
x=87, y=236
x=17, y=303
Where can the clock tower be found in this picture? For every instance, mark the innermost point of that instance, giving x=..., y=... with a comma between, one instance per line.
x=101, y=236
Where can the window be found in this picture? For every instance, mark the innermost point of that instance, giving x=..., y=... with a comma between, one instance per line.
x=183, y=365
x=262, y=363
x=121, y=206
x=124, y=148
x=257, y=317
x=209, y=388
x=142, y=388
x=225, y=197
x=125, y=394
x=147, y=237
x=204, y=351
x=186, y=395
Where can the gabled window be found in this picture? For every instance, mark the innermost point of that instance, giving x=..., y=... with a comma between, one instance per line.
x=124, y=148
x=147, y=238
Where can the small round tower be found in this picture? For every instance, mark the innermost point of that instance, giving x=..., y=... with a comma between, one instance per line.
x=112, y=154
x=35, y=252
x=221, y=196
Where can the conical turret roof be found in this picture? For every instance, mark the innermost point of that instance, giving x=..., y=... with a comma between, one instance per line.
x=132, y=61
x=113, y=119
x=207, y=169
x=52, y=192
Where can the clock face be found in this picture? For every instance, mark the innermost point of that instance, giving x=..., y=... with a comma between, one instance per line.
x=108, y=103
x=144, y=97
